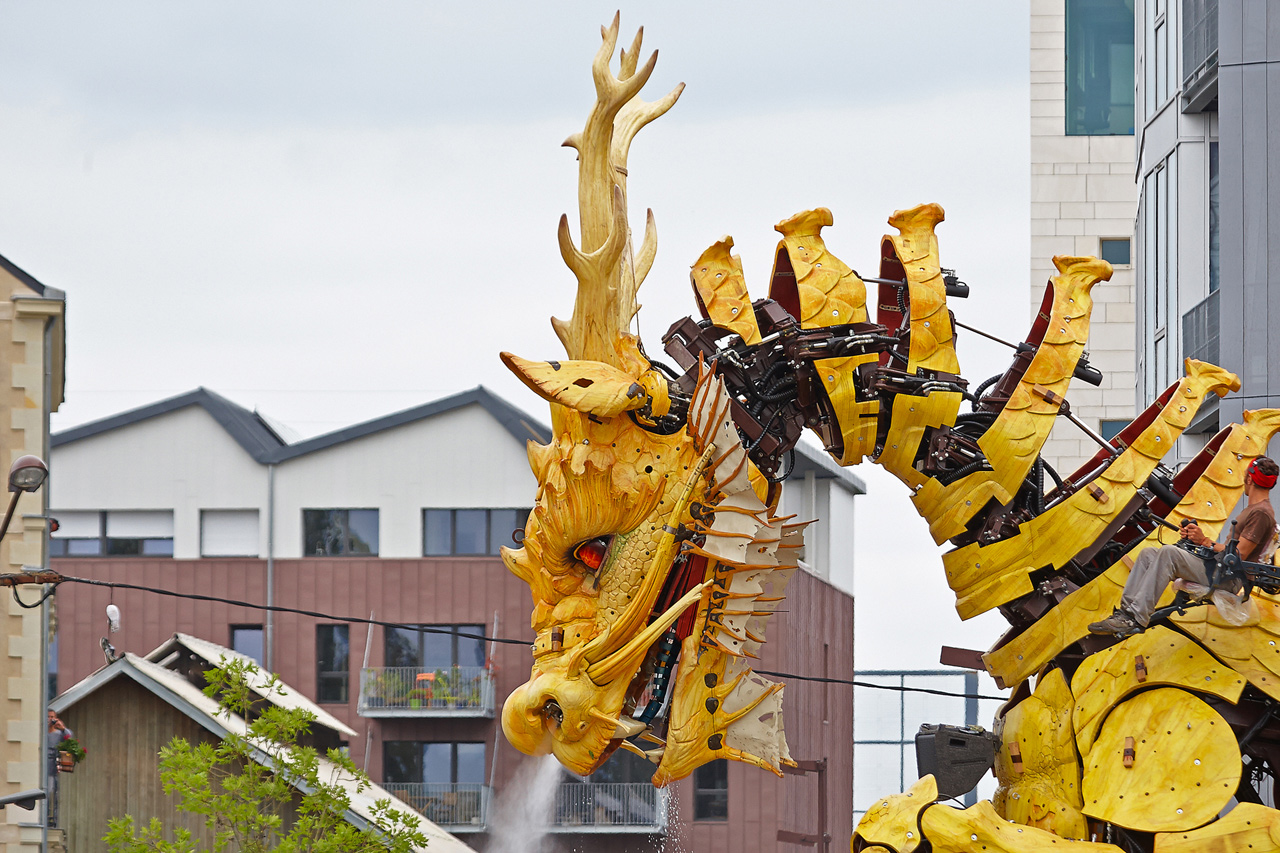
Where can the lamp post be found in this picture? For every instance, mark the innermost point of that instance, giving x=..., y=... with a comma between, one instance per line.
x=27, y=474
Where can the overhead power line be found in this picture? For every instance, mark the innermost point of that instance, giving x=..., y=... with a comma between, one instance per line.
x=55, y=578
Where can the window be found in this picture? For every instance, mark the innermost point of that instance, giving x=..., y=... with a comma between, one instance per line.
x=333, y=662
x=443, y=647
x=115, y=533
x=229, y=533
x=711, y=791
x=469, y=532
x=1099, y=68
x=1214, y=214
x=1109, y=429
x=1116, y=252
x=407, y=761
x=247, y=640
x=339, y=532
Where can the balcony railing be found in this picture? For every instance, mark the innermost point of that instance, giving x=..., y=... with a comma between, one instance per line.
x=635, y=807
x=1199, y=53
x=409, y=691
x=453, y=807
x=1200, y=330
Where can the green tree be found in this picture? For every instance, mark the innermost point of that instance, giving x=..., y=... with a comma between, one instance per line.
x=263, y=791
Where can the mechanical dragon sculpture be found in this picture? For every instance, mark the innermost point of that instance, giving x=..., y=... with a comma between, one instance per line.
x=655, y=554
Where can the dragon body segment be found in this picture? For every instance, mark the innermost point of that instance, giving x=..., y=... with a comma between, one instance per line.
x=655, y=553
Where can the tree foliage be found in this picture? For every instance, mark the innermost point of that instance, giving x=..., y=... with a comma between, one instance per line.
x=262, y=791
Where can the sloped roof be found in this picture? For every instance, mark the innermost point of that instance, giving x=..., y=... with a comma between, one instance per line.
x=249, y=431
x=214, y=653
x=252, y=432
x=29, y=280
x=177, y=691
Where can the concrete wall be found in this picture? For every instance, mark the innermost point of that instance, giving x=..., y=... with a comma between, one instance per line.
x=1081, y=191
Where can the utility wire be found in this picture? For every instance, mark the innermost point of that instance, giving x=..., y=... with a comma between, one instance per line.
x=426, y=629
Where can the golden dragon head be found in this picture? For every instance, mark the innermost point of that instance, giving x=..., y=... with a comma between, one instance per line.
x=649, y=545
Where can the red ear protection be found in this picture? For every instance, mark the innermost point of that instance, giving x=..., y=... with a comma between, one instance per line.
x=1260, y=480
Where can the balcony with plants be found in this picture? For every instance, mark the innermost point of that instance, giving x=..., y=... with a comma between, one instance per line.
x=408, y=691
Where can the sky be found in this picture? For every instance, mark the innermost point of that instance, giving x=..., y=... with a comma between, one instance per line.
x=331, y=211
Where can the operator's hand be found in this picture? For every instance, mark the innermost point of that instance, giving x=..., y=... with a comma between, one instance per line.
x=1193, y=534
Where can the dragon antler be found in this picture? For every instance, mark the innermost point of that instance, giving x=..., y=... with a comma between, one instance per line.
x=608, y=275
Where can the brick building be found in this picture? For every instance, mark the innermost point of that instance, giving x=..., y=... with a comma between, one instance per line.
x=400, y=519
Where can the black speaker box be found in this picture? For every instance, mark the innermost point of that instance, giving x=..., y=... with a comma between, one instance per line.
x=957, y=756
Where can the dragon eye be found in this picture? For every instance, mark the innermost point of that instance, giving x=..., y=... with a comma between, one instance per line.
x=591, y=553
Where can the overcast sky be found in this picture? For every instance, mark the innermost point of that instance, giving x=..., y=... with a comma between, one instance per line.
x=330, y=211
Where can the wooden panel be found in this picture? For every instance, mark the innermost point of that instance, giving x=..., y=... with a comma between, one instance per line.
x=1186, y=765
x=1246, y=827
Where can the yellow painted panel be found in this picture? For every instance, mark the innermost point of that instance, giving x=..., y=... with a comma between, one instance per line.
x=717, y=279
x=1246, y=827
x=932, y=341
x=830, y=291
x=949, y=508
x=1054, y=537
x=1185, y=770
x=911, y=416
x=894, y=821
x=1171, y=660
x=1045, y=793
x=980, y=828
x=858, y=419
x=1210, y=500
x=1014, y=440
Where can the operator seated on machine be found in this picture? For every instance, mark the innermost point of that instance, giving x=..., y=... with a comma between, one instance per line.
x=1254, y=529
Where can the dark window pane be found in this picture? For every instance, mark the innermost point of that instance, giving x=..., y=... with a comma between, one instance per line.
x=322, y=532
x=247, y=640
x=470, y=534
x=1110, y=429
x=402, y=647
x=83, y=547
x=502, y=523
x=157, y=547
x=57, y=547
x=437, y=650
x=402, y=761
x=1116, y=251
x=332, y=662
x=1099, y=68
x=624, y=767
x=437, y=762
x=124, y=547
x=471, y=764
x=363, y=525
x=470, y=650
x=437, y=532
x=711, y=791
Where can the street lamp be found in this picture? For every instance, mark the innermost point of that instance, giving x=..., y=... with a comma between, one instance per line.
x=25, y=475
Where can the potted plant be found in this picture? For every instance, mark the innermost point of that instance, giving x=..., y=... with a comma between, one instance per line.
x=70, y=753
x=417, y=696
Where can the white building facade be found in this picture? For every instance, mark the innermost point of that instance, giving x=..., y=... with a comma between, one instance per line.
x=1083, y=196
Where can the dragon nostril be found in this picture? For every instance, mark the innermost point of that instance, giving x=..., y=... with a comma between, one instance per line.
x=552, y=711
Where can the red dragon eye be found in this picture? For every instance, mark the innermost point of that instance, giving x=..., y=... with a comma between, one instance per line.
x=591, y=553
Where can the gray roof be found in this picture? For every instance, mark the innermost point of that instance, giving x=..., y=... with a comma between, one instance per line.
x=809, y=458
x=254, y=434
x=28, y=279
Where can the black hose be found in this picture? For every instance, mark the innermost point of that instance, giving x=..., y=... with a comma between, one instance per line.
x=1037, y=492
x=966, y=470
x=987, y=418
x=984, y=385
x=1052, y=473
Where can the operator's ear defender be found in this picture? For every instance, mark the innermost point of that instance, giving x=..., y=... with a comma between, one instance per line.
x=1256, y=473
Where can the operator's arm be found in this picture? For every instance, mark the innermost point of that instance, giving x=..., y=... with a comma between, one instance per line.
x=1248, y=549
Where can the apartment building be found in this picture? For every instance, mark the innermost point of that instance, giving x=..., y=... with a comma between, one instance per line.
x=34, y=344
x=399, y=520
x=1083, y=196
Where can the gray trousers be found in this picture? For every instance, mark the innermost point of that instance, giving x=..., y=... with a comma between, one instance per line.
x=1154, y=570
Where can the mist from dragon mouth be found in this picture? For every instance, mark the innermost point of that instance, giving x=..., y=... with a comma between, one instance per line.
x=522, y=815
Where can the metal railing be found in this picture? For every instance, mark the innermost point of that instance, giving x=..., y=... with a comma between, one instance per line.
x=610, y=807
x=455, y=807
x=409, y=691
x=1200, y=336
x=1199, y=40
